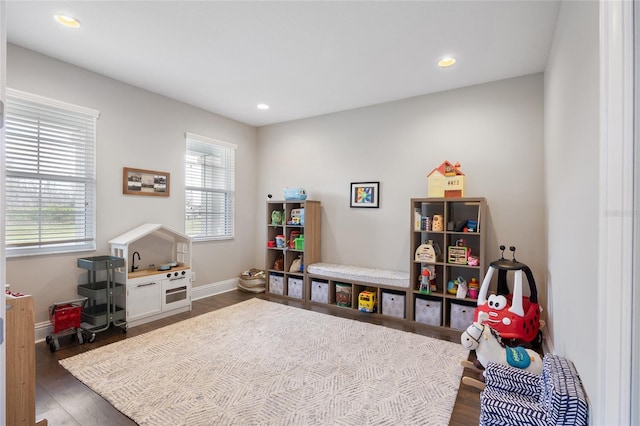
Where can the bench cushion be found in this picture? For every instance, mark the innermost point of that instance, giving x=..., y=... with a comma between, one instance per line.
x=357, y=273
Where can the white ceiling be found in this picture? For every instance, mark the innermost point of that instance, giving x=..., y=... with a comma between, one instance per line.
x=303, y=58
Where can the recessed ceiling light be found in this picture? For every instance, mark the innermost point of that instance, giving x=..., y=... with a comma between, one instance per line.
x=263, y=106
x=67, y=21
x=446, y=62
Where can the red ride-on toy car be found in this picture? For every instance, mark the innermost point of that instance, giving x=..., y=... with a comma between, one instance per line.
x=514, y=316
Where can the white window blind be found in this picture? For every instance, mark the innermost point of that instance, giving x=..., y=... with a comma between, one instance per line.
x=50, y=176
x=210, y=188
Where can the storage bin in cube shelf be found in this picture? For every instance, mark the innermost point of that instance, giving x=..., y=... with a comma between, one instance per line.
x=276, y=284
x=461, y=316
x=319, y=291
x=295, y=287
x=428, y=311
x=393, y=304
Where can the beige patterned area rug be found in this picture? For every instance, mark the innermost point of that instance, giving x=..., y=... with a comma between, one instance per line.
x=263, y=363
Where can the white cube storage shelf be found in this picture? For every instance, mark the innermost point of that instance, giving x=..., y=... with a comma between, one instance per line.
x=276, y=284
x=461, y=316
x=393, y=304
x=294, y=287
x=319, y=291
x=428, y=311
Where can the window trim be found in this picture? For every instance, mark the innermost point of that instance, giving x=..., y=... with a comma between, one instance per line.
x=50, y=248
x=222, y=144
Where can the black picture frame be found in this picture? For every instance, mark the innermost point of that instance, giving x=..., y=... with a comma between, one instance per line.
x=365, y=195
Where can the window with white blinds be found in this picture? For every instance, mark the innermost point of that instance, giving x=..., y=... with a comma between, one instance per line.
x=50, y=176
x=210, y=188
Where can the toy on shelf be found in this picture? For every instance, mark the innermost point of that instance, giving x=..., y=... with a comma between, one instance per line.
x=428, y=252
x=277, y=217
x=446, y=180
x=474, y=288
x=458, y=254
x=292, y=239
x=489, y=348
x=472, y=226
x=278, y=265
x=297, y=265
x=297, y=217
x=457, y=287
x=437, y=223
x=291, y=194
x=427, y=279
x=367, y=301
x=462, y=288
x=514, y=316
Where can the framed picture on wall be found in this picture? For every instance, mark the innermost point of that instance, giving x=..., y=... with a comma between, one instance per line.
x=365, y=194
x=145, y=182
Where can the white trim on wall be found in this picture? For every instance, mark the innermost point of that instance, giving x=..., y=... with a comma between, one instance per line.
x=53, y=102
x=207, y=290
x=3, y=277
x=615, y=278
x=635, y=349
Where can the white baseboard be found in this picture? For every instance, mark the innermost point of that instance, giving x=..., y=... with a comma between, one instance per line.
x=42, y=330
x=200, y=292
x=207, y=290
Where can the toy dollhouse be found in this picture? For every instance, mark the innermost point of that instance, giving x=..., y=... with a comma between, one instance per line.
x=446, y=180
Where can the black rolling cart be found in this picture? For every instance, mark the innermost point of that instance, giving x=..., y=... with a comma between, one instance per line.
x=101, y=310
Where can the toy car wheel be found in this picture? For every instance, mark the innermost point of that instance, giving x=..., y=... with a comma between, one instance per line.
x=92, y=337
x=537, y=342
x=80, y=336
x=52, y=346
x=48, y=339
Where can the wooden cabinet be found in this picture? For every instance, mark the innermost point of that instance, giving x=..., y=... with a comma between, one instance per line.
x=293, y=235
x=454, y=252
x=21, y=362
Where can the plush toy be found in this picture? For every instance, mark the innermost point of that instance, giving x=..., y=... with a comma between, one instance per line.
x=296, y=265
x=489, y=348
x=276, y=217
x=278, y=265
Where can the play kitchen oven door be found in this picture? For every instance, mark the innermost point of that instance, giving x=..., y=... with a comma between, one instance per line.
x=176, y=290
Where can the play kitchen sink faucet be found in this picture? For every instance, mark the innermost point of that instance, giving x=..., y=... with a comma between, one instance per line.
x=133, y=261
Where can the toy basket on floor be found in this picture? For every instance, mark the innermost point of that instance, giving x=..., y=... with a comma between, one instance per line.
x=252, y=281
x=65, y=319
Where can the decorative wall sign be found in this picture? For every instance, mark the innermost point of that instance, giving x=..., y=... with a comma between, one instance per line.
x=145, y=182
x=365, y=194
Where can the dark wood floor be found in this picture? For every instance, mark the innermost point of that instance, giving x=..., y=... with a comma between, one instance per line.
x=63, y=400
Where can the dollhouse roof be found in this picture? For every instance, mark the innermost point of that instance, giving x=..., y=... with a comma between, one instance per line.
x=147, y=229
x=442, y=168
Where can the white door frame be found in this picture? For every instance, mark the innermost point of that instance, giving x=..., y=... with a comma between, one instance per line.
x=612, y=402
x=635, y=320
x=3, y=278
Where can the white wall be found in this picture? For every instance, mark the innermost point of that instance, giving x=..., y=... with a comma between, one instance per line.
x=572, y=162
x=494, y=130
x=136, y=129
